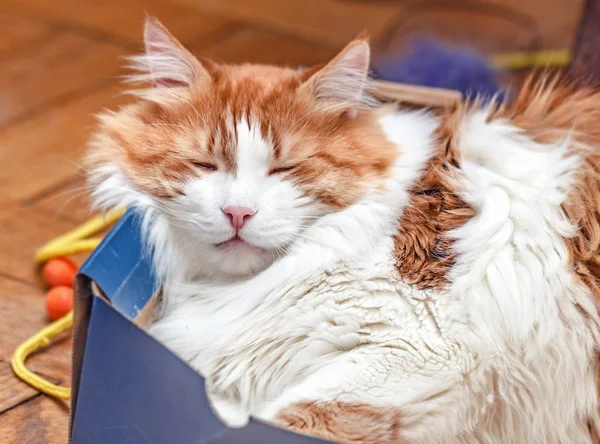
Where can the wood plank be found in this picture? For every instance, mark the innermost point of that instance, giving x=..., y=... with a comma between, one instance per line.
x=13, y=391
x=64, y=64
x=257, y=46
x=557, y=19
x=17, y=33
x=332, y=21
x=70, y=201
x=123, y=19
x=24, y=230
x=42, y=420
x=23, y=314
x=46, y=149
x=22, y=311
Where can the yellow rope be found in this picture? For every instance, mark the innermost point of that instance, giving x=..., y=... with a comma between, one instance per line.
x=39, y=340
x=520, y=60
x=74, y=241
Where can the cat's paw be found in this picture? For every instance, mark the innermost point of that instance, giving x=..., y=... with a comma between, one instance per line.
x=230, y=413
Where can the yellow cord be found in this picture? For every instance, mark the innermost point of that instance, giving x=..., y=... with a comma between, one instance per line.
x=39, y=340
x=74, y=241
x=77, y=240
x=520, y=60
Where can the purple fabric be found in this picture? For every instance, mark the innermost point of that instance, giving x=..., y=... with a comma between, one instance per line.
x=430, y=63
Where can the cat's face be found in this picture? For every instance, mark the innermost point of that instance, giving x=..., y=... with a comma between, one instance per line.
x=242, y=159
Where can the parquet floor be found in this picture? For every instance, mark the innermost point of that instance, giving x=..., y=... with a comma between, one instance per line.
x=59, y=64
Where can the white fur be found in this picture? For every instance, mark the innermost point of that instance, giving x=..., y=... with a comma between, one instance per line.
x=503, y=355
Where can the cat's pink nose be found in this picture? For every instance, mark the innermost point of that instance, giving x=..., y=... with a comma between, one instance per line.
x=238, y=216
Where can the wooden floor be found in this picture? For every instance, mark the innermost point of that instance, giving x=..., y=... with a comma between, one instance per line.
x=59, y=64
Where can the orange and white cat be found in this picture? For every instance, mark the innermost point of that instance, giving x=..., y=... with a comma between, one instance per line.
x=363, y=273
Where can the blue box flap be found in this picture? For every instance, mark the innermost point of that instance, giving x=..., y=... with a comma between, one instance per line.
x=121, y=267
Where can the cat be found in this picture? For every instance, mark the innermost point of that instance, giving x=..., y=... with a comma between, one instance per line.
x=366, y=273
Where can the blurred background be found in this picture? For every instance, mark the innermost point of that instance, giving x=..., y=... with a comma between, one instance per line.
x=60, y=63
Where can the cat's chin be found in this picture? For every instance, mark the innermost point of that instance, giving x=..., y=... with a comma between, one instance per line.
x=236, y=257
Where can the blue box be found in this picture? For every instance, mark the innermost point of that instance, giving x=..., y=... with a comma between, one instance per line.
x=127, y=387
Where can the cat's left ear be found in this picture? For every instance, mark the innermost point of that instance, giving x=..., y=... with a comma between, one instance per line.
x=166, y=62
x=343, y=81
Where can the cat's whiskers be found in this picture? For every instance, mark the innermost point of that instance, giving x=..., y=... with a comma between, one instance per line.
x=173, y=222
x=192, y=243
x=176, y=214
x=181, y=215
x=79, y=169
x=78, y=192
x=279, y=249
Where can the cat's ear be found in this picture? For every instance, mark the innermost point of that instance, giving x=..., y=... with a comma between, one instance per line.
x=166, y=62
x=343, y=81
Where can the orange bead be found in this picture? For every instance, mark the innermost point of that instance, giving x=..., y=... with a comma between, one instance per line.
x=59, y=302
x=59, y=271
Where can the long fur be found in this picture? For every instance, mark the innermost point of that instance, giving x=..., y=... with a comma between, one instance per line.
x=407, y=277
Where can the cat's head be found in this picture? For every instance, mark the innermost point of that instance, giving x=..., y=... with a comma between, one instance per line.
x=241, y=159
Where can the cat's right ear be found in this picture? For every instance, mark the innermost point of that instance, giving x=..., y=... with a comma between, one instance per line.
x=344, y=81
x=166, y=62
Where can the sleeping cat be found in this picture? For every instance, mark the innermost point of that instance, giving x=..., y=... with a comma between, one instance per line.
x=364, y=273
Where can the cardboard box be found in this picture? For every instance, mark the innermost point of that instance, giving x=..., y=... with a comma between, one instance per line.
x=127, y=387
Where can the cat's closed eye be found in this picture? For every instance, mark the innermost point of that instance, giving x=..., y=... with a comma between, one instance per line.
x=205, y=166
x=282, y=169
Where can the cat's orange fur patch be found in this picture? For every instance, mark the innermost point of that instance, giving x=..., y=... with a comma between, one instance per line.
x=423, y=249
x=344, y=422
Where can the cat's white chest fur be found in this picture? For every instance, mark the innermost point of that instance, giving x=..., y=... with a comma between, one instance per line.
x=349, y=315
